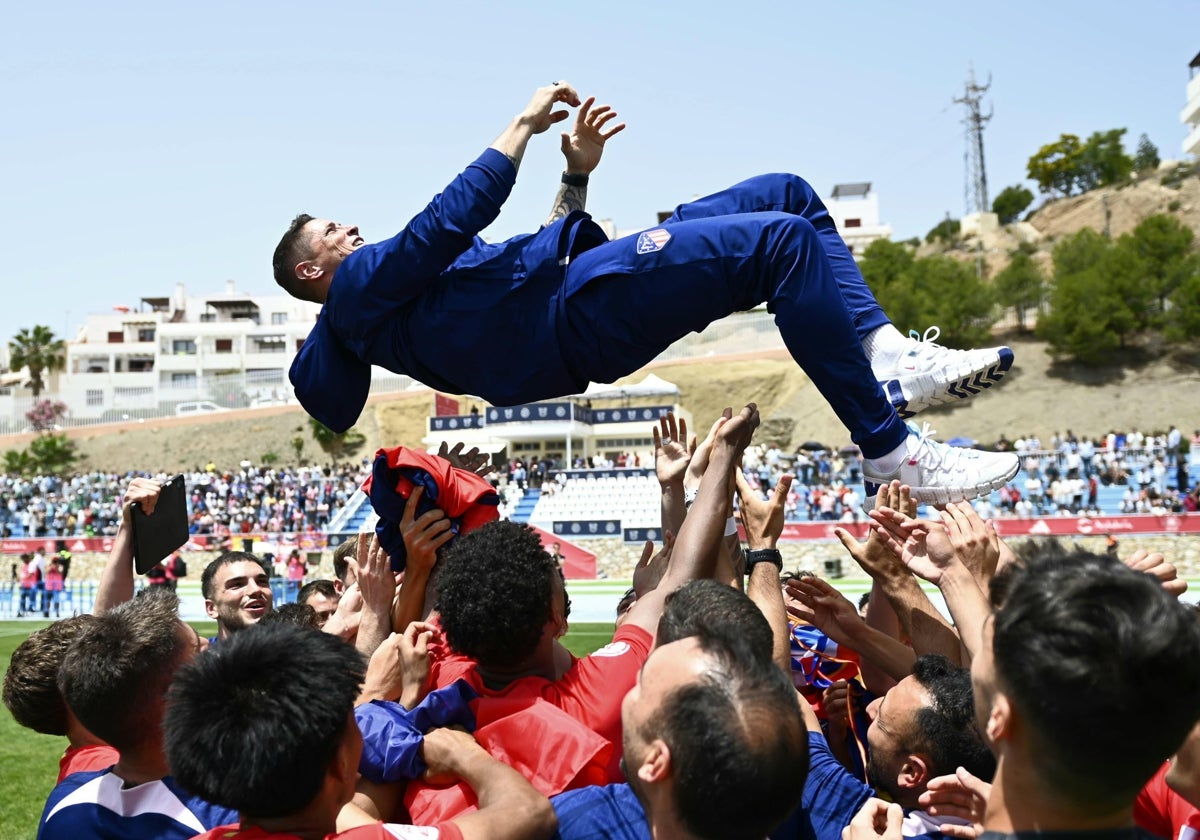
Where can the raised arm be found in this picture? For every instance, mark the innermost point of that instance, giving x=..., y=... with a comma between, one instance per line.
x=582, y=148
x=920, y=620
x=378, y=588
x=538, y=116
x=928, y=549
x=697, y=546
x=763, y=521
x=116, y=581
x=374, y=279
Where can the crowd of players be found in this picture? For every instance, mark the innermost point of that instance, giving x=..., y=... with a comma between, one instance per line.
x=734, y=700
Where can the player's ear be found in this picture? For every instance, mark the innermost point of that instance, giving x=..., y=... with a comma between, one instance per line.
x=309, y=270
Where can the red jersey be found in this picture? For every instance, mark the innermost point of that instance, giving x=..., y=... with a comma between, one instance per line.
x=560, y=734
x=1160, y=810
x=86, y=758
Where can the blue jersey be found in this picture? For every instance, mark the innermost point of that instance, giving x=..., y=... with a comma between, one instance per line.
x=96, y=806
x=831, y=797
x=438, y=303
x=611, y=812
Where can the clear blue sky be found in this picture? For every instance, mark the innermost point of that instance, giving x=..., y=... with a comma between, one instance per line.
x=151, y=143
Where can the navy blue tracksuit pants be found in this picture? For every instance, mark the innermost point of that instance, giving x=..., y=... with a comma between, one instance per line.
x=767, y=240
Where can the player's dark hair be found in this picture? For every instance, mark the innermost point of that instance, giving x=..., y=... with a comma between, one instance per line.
x=342, y=555
x=210, y=571
x=708, y=608
x=946, y=730
x=316, y=587
x=254, y=723
x=115, y=674
x=292, y=250
x=298, y=615
x=1082, y=645
x=739, y=747
x=31, y=681
x=494, y=592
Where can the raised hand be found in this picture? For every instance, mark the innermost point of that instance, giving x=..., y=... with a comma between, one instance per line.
x=737, y=432
x=762, y=519
x=425, y=534
x=702, y=452
x=651, y=567
x=923, y=546
x=375, y=578
x=817, y=602
x=472, y=460
x=143, y=491
x=1156, y=565
x=413, y=651
x=959, y=795
x=874, y=556
x=671, y=454
x=539, y=114
x=975, y=542
x=584, y=144
x=876, y=820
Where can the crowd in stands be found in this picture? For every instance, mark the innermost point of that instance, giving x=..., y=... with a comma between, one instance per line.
x=425, y=690
x=222, y=501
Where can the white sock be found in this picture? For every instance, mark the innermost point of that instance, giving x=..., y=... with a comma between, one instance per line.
x=890, y=462
x=883, y=345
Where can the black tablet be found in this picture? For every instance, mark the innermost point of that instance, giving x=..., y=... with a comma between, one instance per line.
x=158, y=534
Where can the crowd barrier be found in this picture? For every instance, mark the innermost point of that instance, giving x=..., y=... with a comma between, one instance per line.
x=77, y=596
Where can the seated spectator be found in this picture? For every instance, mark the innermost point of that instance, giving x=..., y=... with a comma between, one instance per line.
x=292, y=775
x=114, y=678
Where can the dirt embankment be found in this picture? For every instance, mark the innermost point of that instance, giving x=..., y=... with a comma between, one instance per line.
x=1039, y=397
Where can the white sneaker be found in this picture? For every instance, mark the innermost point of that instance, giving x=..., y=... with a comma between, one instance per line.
x=939, y=474
x=928, y=374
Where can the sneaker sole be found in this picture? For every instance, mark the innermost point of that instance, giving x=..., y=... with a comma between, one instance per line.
x=910, y=394
x=946, y=495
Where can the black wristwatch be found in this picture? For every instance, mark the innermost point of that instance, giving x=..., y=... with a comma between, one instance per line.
x=764, y=555
x=572, y=180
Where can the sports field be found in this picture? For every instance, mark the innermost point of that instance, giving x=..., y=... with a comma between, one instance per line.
x=29, y=761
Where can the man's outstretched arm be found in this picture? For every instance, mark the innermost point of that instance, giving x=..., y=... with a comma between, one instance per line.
x=582, y=148
x=538, y=116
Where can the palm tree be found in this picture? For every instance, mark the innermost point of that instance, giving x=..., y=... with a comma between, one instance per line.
x=38, y=350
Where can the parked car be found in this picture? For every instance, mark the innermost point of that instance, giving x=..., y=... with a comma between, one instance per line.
x=191, y=409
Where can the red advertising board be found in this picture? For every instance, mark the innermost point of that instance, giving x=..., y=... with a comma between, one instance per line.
x=1050, y=526
x=444, y=406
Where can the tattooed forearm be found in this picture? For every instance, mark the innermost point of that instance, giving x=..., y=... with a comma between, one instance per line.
x=514, y=159
x=568, y=200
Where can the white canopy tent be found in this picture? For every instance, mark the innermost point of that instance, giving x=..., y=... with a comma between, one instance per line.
x=651, y=386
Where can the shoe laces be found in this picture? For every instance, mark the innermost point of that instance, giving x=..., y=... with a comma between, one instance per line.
x=932, y=454
x=926, y=344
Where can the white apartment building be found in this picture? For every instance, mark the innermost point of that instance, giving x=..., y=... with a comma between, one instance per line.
x=855, y=210
x=233, y=348
x=1190, y=116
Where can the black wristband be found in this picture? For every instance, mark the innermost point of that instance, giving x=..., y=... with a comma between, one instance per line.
x=574, y=180
x=764, y=555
